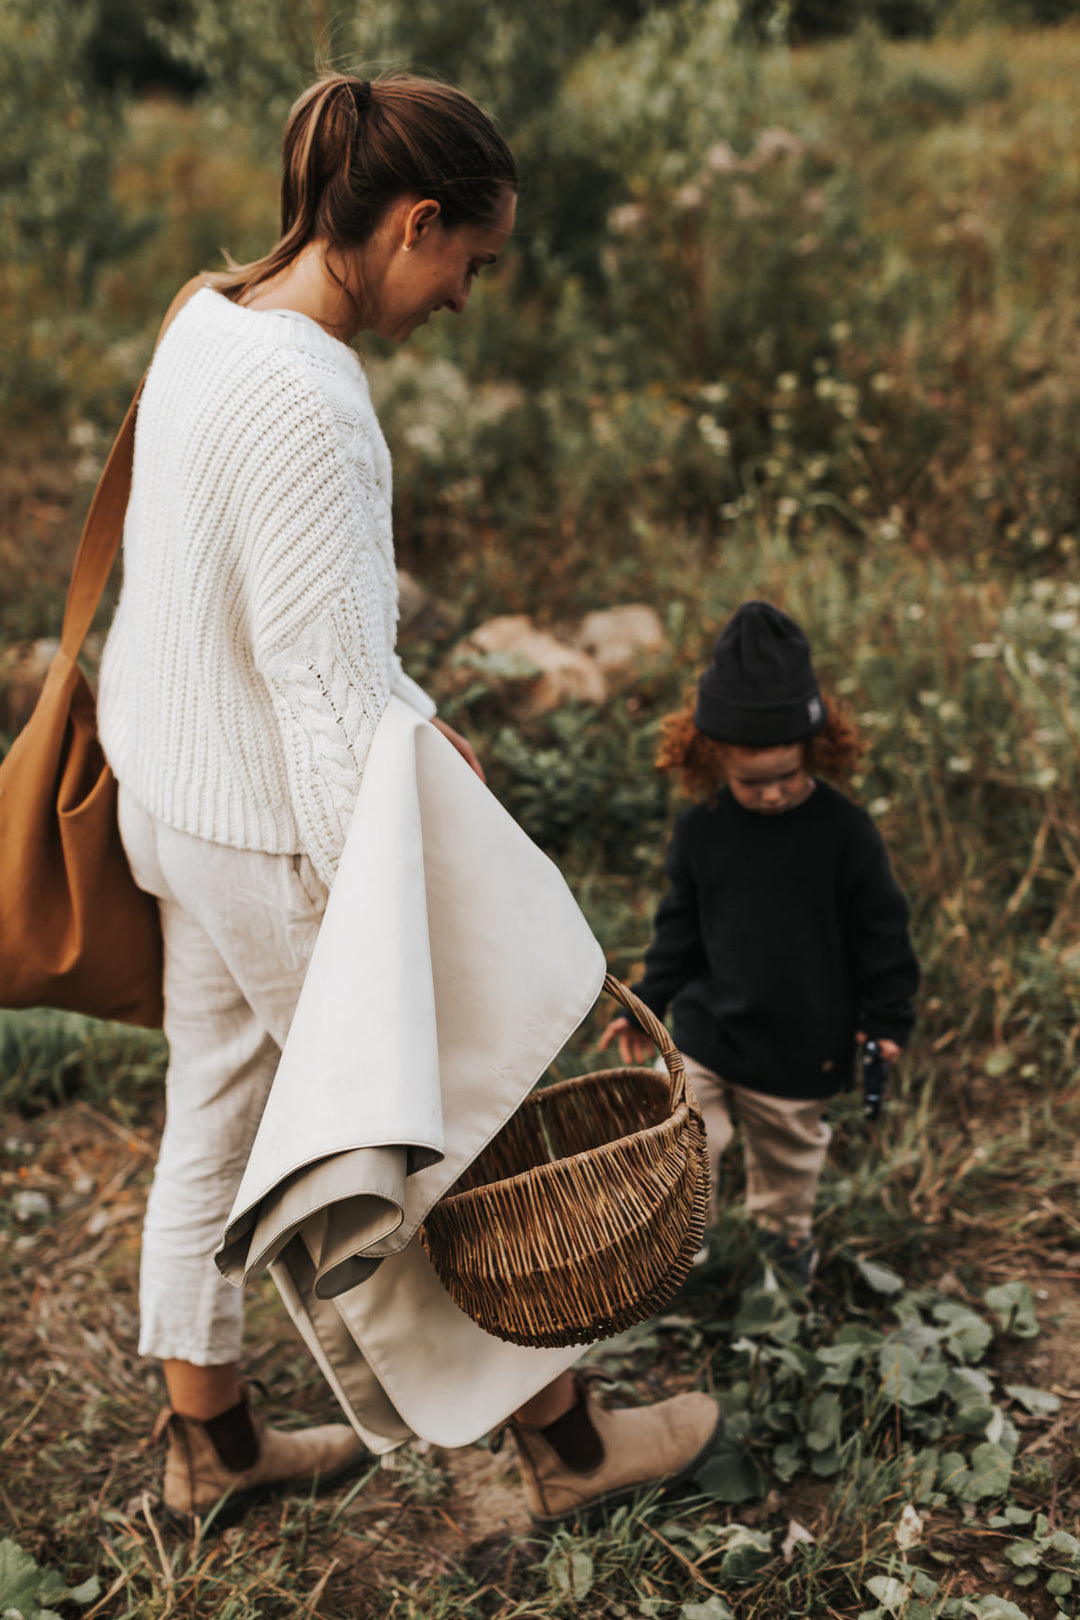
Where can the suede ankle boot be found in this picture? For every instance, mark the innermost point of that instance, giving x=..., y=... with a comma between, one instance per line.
x=594, y=1458
x=236, y=1455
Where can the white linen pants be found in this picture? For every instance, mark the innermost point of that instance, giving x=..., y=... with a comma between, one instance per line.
x=785, y=1140
x=239, y=928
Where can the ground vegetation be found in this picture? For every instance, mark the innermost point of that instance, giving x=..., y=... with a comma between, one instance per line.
x=801, y=323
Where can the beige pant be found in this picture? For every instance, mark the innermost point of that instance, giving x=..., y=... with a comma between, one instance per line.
x=785, y=1141
x=239, y=928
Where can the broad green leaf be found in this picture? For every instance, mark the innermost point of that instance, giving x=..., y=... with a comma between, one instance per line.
x=968, y=1384
x=840, y=1361
x=968, y=1336
x=823, y=1430
x=1023, y=1554
x=923, y=1476
x=1039, y=1402
x=730, y=1475
x=953, y=1473
x=882, y=1279
x=973, y=1418
x=990, y=1471
x=890, y=1593
x=787, y=1460
x=1026, y=1577
x=86, y=1592
x=571, y=1574
x=715, y=1609
x=994, y=1608
x=20, y=1580
x=826, y=1463
x=1062, y=1542
x=765, y=1311
x=1014, y=1306
x=1059, y=1584
x=906, y=1377
x=858, y=1333
x=746, y=1551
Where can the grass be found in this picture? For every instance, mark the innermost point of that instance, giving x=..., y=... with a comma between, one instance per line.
x=888, y=453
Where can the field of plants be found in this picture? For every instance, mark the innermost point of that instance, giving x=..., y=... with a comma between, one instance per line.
x=786, y=315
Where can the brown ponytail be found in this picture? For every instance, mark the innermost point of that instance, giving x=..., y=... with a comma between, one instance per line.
x=352, y=147
x=699, y=762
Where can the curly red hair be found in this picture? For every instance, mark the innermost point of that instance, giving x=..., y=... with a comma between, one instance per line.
x=700, y=762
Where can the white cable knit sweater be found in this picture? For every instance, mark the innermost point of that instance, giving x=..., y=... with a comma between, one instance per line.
x=252, y=653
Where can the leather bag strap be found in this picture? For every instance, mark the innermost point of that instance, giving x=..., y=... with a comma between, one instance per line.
x=105, y=520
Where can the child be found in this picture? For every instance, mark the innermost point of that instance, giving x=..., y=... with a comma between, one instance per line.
x=782, y=940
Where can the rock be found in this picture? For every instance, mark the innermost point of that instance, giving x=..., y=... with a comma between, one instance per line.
x=412, y=598
x=533, y=670
x=23, y=668
x=621, y=639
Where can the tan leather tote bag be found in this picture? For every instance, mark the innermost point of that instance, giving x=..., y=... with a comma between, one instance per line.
x=75, y=932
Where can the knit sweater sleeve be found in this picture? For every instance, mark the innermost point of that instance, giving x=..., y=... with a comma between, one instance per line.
x=677, y=952
x=325, y=607
x=884, y=965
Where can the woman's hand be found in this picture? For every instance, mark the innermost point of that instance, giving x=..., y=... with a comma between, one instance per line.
x=634, y=1045
x=463, y=746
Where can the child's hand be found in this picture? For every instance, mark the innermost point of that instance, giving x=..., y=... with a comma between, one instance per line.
x=888, y=1049
x=634, y=1045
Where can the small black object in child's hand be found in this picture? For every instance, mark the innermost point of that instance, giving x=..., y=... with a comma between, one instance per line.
x=875, y=1074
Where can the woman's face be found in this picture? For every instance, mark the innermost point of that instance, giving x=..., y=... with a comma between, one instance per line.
x=423, y=267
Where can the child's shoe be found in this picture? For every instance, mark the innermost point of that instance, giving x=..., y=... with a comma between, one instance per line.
x=796, y=1258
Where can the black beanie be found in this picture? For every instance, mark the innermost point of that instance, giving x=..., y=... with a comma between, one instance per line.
x=760, y=689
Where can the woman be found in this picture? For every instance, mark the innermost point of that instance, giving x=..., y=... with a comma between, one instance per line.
x=249, y=663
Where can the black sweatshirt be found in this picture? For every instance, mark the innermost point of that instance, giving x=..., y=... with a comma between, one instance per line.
x=779, y=937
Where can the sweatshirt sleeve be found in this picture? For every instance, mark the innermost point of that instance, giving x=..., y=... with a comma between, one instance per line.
x=885, y=968
x=677, y=952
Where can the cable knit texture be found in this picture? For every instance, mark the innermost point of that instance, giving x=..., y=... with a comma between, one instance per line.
x=252, y=653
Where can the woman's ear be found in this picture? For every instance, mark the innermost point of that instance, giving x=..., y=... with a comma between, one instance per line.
x=419, y=220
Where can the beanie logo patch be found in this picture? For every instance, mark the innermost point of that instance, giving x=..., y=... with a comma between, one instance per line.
x=815, y=710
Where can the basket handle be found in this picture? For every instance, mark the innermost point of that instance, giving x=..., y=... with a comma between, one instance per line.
x=649, y=1021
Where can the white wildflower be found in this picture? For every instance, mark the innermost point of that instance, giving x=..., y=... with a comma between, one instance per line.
x=716, y=437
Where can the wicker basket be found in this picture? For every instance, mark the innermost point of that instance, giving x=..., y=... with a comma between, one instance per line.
x=583, y=1215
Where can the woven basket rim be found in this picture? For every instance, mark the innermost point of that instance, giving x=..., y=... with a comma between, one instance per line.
x=644, y=1071
x=558, y=1167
